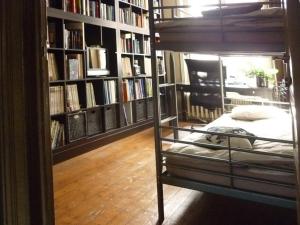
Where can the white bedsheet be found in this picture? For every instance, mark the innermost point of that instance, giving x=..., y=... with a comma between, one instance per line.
x=278, y=127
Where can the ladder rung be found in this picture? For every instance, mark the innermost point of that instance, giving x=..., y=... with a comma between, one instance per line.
x=168, y=119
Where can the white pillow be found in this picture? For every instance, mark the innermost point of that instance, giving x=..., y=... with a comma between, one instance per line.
x=255, y=112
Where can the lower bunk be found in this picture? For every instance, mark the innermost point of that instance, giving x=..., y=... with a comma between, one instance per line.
x=247, y=154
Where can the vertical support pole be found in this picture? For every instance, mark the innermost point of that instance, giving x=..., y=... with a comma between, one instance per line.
x=157, y=119
x=222, y=84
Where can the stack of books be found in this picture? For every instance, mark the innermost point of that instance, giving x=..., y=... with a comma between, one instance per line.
x=126, y=67
x=110, y=94
x=149, y=92
x=140, y=88
x=72, y=98
x=90, y=95
x=56, y=100
x=126, y=43
x=74, y=64
x=128, y=90
x=57, y=134
x=52, y=67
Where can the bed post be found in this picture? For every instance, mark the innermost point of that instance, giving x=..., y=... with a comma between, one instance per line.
x=157, y=119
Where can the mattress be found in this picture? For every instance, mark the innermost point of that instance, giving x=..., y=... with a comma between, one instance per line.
x=251, y=165
x=251, y=32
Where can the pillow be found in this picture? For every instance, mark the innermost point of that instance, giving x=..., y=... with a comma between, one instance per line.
x=255, y=112
x=235, y=142
x=232, y=10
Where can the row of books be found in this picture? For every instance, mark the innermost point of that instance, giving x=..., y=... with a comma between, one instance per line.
x=146, y=46
x=140, y=91
x=56, y=100
x=72, y=98
x=91, y=8
x=136, y=46
x=73, y=38
x=140, y=3
x=126, y=42
x=90, y=95
x=109, y=91
x=57, y=134
x=128, y=90
x=131, y=18
x=52, y=67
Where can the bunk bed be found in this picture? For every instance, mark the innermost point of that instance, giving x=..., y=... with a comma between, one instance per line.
x=236, y=156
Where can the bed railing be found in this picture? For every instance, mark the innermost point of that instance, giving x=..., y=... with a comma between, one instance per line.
x=230, y=161
x=173, y=12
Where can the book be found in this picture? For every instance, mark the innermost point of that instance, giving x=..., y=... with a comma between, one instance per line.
x=73, y=35
x=52, y=67
x=148, y=82
x=57, y=134
x=56, y=100
x=128, y=115
x=52, y=35
x=72, y=98
x=74, y=66
x=148, y=68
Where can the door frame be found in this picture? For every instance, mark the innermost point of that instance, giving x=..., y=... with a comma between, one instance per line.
x=25, y=155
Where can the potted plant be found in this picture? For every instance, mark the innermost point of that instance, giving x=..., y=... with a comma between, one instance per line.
x=263, y=75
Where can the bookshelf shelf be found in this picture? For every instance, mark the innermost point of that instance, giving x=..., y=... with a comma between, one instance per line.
x=89, y=102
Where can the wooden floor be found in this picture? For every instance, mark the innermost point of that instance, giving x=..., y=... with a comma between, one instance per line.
x=116, y=185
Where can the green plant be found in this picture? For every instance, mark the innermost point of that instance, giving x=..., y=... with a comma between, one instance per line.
x=267, y=73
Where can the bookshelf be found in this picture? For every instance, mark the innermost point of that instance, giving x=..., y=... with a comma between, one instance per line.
x=99, y=67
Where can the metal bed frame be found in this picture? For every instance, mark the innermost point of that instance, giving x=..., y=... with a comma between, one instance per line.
x=163, y=177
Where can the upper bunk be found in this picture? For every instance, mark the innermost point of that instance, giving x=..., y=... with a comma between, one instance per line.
x=231, y=28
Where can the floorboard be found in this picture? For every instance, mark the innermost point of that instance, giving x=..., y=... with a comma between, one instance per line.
x=115, y=185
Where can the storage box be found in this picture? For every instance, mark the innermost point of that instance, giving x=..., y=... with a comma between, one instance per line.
x=110, y=117
x=94, y=121
x=76, y=126
x=150, y=108
x=141, y=113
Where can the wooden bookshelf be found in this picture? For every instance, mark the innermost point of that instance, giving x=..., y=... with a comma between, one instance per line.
x=89, y=109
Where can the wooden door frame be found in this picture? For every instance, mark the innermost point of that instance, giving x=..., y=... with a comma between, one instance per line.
x=25, y=154
x=293, y=22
